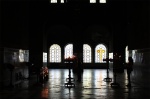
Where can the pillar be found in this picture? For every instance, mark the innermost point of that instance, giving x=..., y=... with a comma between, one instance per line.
x=1, y=53
x=36, y=37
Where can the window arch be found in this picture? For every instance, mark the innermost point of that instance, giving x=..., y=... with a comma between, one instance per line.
x=87, y=53
x=55, y=53
x=69, y=51
x=100, y=53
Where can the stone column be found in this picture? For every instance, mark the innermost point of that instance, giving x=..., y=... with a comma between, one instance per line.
x=36, y=37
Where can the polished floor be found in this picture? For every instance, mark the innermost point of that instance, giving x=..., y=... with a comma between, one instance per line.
x=92, y=86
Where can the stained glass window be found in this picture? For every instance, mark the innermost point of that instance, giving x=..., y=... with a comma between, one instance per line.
x=86, y=53
x=100, y=53
x=69, y=50
x=55, y=53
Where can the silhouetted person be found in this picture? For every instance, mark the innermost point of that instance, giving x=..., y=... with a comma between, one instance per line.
x=75, y=65
x=80, y=70
x=129, y=70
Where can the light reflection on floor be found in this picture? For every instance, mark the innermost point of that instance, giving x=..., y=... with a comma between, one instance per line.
x=92, y=86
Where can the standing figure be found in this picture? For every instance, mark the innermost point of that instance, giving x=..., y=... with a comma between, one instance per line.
x=80, y=70
x=129, y=70
x=75, y=65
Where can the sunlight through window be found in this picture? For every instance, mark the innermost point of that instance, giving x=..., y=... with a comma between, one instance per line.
x=55, y=53
x=44, y=57
x=86, y=53
x=100, y=53
x=69, y=51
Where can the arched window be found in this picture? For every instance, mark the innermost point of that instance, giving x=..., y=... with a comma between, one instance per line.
x=69, y=51
x=55, y=53
x=86, y=53
x=100, y=53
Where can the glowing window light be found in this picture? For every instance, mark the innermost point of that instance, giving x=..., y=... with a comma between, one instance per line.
x=44, y=57
x=126, y=54
x=86, y=53
x=92, y=1
x=69, y=51
x=21, y=55
x=134, y=55
x=53, y=1
x=100, y=53
x=62, y=1
x=110, y=55
x=55, y=53
x=102, y=1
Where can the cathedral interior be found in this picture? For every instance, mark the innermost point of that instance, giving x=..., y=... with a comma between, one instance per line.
x=53, y=33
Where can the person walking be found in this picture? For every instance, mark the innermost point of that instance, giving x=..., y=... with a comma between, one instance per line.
x=129, y=70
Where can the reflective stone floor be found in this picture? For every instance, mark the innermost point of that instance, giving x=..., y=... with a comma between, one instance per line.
x=92, y=86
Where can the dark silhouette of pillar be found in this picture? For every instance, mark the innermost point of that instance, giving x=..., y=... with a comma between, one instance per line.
x=36, y=38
